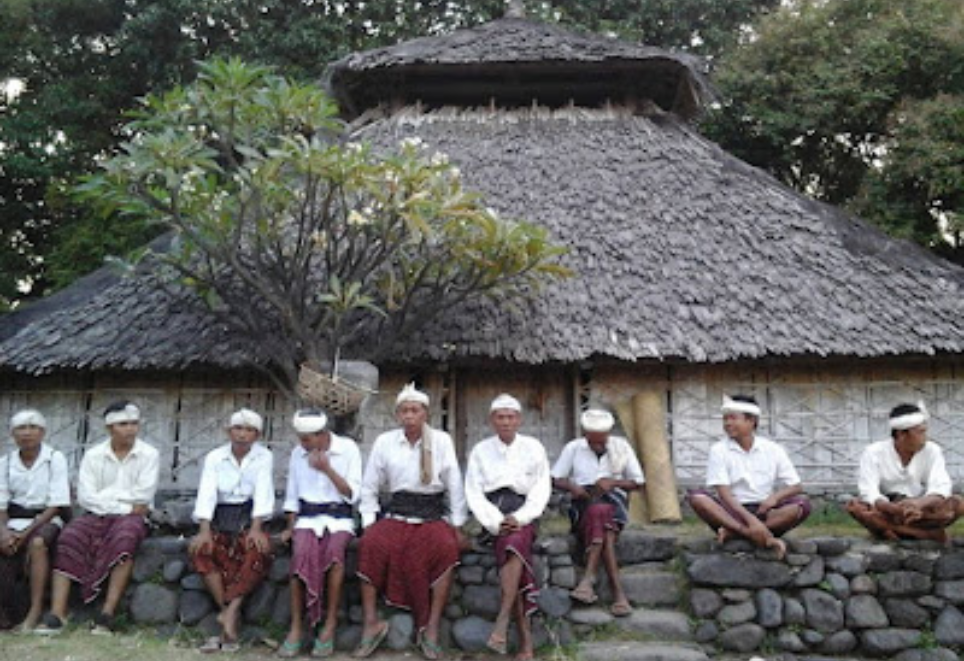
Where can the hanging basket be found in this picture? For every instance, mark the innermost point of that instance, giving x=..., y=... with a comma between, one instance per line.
x=335, y=395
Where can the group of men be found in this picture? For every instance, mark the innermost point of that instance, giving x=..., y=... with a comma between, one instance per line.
x=413, y=504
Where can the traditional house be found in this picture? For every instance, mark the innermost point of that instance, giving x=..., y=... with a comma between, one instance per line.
x=697, y=275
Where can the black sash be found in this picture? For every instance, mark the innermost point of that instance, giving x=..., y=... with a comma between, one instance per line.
x=232, y=518
x=425, y=506
x=336, y=510
x=507, y=500
x=15, y=511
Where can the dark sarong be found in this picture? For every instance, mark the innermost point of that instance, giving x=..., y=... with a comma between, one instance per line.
x=932, y=524
x=592, y=519
x=405, y=560
x=519, y=543
x=90, y=546
x=802, y=503
x=425, y=506
x=242, y=567
x=311, y=558
x=14, y=579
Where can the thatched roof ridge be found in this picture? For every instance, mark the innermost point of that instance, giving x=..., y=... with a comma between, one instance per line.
x=682, y=253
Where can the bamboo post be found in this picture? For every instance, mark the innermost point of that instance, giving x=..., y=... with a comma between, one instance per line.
x=638, y=510
x=649, y=425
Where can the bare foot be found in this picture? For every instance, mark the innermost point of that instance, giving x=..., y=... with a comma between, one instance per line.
x=497, y=643
x=723, y=535
x=779, y=546
x=528, y=655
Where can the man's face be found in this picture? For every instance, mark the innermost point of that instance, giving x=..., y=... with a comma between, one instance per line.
x=738, y=425
x=912, y=440
x=243, y=435
x=597, y=441
x=124, y=432
x=411, y=415
x=312, y=441
x=28, y=437
x=505, y=422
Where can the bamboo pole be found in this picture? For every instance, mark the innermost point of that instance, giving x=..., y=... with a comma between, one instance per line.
x=649, y=426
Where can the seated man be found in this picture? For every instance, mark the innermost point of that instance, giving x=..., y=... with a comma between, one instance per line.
x=409, y=554
x=324, y=481
x=507, y=485
x=234, y=499
x=599, y=471
x=758, y=492
x=905, y=490
x=115, y=487
x=33, y=491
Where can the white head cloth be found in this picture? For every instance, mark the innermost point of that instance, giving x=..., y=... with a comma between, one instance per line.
x=910, y=420
x=247, y=418
x=129, y=413
x=505, y=401
x=411, y=394
x=28, y=418
x=596, y=420
x=309, y=422
x=731, y=406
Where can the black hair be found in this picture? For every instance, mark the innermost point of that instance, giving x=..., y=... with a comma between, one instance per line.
x=748, y=399
x=899, y=411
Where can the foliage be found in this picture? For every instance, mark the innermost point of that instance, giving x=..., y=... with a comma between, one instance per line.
x=306, y=244
x=856, y=102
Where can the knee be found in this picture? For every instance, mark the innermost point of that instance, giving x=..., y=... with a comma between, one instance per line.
x=37, y=545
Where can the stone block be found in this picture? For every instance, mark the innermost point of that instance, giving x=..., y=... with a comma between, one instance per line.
x=148, y=565
x=743, y=638
x=810, y=575
x=555, y=602
x=831, y=546
x=471, y=633
x=950, y=566
x=739, y=572
x=258, y=605
x=401, y=628
x=637, y=546
x=769, y=608
x=174, y=570
x=865, y=612
x=840, y=642
x=194, y=606
x=154, y=604
x=839, y=585
x=888, y=642
x=481, y=600
x=952, y=591
x=848, y=564
x=903, y=584
x=705, y=603
x=904, y=613
x=863, y=584
x=824, y=611
x=949, y=627
x=663, y=625
x=733, y=614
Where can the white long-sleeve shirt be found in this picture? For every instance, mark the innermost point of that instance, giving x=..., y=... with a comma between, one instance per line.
x=752, y=476
x=882, y=472
x=310, y=484
x=108, y=485
x=521, y=466
x=45, y=484
x=580, y=463
x=225, y=480
x=394, y=465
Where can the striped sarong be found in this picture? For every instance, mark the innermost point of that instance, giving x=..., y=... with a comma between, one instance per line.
x=311, y=558
x=90, y=546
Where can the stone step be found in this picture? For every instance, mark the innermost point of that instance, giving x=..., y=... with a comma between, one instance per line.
x=662, y=625
x=645, y=585
x=638, y=651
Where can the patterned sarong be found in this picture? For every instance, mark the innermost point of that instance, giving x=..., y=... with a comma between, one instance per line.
x=520, y=543
x=802, y=503
x=14, y=579
x=91, y=545
x=405, y=560
x=242, y=566
x=934, y=519
x=311, y=558
x=592, y=519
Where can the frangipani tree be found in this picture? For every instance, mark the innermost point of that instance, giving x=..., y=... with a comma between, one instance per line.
x=302, y=241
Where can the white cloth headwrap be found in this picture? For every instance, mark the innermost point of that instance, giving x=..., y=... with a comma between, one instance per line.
x=411, y=394
x=731, y=406
x=247, y=418
x=28, y=418
x=309, y=422
x=910, y=420
x=596, y=420
x=129, y=413
x=505, y=401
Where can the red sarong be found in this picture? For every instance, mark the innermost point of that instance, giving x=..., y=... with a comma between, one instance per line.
x=596, y=520
x=520, y=543
x=91, y=545
x=242, y=566
x=404, y=560
x=311, y=558
x=14, y=581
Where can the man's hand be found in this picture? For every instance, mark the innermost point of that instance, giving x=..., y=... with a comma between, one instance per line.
x=285, y=537
x=757, y=532
x=259, y=541
x=9, y=541
x=509, y=525
x=203, y=542
x=605, y=485
x=578, y=493
x=911, y=511
x=318, y=459
x=767, y=504
x=140, y=509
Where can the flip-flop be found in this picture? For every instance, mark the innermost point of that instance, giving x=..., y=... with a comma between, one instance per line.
x=368, y=645
x=431, y=651
x=288, y=650
x=230, y=646
x=322, y=649
x=211, y=645
x=584, y=595
x=497, y=644
x=621, y=609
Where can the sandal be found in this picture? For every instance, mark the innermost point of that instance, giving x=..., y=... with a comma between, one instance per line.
x=497, y=644
x=211, y=645
x=369, y=645
x=288, y=650
x=621, y=609
x=323, y=648
x=230, y=646
x=430, y=650
x=584, y=595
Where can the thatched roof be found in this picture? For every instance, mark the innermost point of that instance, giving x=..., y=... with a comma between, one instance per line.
x=682, y=252
x=513, y=62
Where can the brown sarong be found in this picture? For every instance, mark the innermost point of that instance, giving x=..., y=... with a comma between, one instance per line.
x=311, y=558
x=241, y=565
x=405, y=560
x=91, y=545
x=14, y=579
x=934, y=519
x=802, y=503
x=520, y=543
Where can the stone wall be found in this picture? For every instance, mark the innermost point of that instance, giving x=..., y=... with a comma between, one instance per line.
x=830, y=596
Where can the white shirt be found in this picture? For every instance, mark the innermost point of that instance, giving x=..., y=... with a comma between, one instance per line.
x=107, y=485
x=225, y=480
x=579, y=463
x=752, y=476
x=881, y=472
x=521, y=466
x=310, y=484
x=45, y=484
x=394, y=465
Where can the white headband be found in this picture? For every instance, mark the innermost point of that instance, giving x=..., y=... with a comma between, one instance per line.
x=129, y=413
x=910, y=420
x=246, y=418
x=731, y=406
x=595, y=420
x=411, y=394
x=505, y=401
x=28, y=418
x=309, y=422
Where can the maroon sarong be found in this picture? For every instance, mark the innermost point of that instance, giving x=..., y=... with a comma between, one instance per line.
x=404, y=560
x=14, y=579
x=91, y=545
x=596, y=520
x=520, y=543
x=802, y=503
x=311, y=558
x=242, y=566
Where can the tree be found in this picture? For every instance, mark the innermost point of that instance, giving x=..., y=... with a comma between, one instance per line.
x=855, y=102
x=307, y=244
